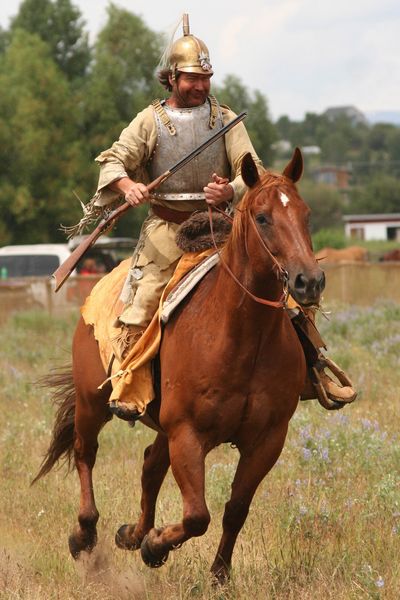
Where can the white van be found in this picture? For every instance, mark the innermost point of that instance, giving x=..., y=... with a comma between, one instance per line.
x=25, y=272
x=32, y=260
x=41, y=260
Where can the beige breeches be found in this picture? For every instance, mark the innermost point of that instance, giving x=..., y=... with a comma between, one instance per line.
x=153, y=264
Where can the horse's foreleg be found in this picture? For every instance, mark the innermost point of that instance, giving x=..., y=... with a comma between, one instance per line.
x=187, y=461
x=155, y=467
x=251, y=470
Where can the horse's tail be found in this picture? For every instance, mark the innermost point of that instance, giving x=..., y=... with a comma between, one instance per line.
x=62, y=442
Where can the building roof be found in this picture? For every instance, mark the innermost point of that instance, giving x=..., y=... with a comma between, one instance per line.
x=381, y=217
x=351, y=112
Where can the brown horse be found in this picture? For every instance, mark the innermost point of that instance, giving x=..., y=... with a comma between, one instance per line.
x=232, y=370
x=392, y=255
x=350, y=254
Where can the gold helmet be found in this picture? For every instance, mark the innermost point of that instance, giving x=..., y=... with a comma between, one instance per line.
x=189, y=54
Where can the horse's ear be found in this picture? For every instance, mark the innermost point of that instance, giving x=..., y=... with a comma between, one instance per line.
x=249, y=171
x=294, y=169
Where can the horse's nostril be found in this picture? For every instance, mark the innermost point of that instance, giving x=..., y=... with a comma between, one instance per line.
x=311, y=286
x=300, y=282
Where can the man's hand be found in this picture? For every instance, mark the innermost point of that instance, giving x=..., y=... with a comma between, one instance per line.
x=135, y=193
x=218, y=190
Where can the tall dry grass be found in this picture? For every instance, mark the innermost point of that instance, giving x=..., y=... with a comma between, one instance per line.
x=324, y=524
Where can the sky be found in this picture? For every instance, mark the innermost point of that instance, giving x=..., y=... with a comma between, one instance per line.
x=303, y=55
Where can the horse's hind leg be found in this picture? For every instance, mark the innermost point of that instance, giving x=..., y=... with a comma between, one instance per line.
x=250, y=471
x=90, y=415
x=155, y=467
x=187, y=453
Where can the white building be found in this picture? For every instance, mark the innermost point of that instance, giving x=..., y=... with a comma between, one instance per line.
x=373, y=227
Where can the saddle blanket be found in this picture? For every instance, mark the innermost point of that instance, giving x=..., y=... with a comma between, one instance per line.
x=186, y=285
x=132, y=378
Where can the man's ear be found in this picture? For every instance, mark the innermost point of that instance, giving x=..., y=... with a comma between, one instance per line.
x=249, y=171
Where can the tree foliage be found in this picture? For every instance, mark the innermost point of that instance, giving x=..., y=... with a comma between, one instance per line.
x=258, y=123
x=122, y=79
x=371, y=153
x=381, y=195
x=40, y=152
x=60, y=25
x=326, y=203
x=62, y=102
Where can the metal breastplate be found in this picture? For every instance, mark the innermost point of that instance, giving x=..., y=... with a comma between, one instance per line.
x=191, y=129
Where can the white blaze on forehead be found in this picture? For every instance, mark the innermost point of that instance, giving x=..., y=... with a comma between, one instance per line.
x=284, y=199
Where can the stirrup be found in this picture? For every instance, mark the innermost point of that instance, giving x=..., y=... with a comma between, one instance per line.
x=120, y=410
x=344, y=380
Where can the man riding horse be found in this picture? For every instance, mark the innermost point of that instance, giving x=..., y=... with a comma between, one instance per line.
x=156, y=138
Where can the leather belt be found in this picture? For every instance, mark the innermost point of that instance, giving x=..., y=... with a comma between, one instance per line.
x=170, y=215
x=177, y=216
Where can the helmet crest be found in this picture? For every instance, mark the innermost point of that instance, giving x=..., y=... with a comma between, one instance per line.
x=189, y=54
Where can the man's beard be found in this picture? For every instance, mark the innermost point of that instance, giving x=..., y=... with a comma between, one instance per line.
x=191, y=99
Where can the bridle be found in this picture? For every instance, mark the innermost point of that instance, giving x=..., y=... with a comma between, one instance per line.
x=282, y=273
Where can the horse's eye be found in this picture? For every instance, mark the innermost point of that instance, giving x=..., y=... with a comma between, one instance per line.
x=262, y=219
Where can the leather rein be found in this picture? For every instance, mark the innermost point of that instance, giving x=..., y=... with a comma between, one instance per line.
x=284, y=276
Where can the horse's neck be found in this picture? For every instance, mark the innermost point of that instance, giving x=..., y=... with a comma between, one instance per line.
x=234, y=267
x=262, y=281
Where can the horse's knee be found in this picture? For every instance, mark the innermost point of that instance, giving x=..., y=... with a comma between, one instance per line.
x=196, y=523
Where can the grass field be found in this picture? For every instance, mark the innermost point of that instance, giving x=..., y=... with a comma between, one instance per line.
x=325, y=524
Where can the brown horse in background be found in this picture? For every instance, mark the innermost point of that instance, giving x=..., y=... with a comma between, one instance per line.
x=232, y=370
x=391, y=255
x=349, y=254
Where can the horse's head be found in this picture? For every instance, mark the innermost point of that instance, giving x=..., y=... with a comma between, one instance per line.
x=277, y=225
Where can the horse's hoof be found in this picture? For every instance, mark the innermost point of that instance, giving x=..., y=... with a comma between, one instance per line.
x=149, y=558
x=220, y=572
x=126, y=539
x=220, y=577
x=78, y=543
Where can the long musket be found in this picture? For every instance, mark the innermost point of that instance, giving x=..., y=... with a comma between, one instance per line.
x=65, y=269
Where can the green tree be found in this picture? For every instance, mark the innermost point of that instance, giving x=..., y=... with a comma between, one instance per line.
x=60, y=24
x=377, y=137
x=258, y=123
x=341, y=140
x=381, y=195
x=309, y=132
x=326, y=203
x=40, y=152
x=122, y=80
x=393, y=149
x=284, y=128
x=3, y=40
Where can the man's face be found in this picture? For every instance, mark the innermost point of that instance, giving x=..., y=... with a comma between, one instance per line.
x=190, y=89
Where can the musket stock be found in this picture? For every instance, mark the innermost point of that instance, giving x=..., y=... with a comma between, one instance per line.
x=62, y=273
x=65, y=269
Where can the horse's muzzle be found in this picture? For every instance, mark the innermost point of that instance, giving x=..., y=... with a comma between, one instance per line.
x=307, y=289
